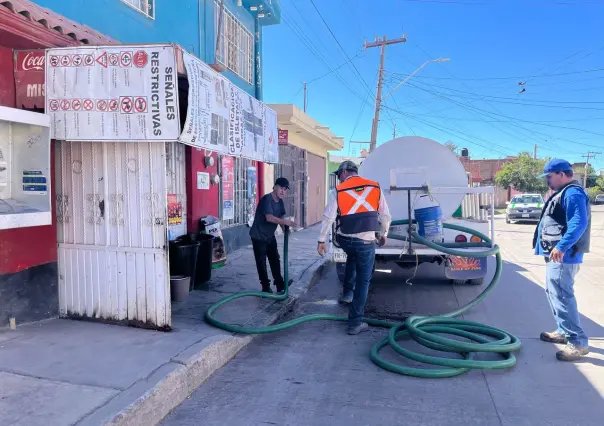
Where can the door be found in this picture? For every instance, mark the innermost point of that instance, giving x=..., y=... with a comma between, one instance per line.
x=112, y=232
x=316, y=188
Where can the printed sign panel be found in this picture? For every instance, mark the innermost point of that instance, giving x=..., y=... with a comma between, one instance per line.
x=228, y=187
x=113, y=93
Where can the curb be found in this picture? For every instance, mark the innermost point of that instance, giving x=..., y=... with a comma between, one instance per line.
x=150, y=400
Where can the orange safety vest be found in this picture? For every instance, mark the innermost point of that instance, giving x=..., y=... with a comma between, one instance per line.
x=358, y=203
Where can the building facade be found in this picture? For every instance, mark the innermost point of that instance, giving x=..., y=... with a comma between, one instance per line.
x=226, y=34
x=304, y=146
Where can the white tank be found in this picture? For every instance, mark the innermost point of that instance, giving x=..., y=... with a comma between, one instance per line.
x=415, y=161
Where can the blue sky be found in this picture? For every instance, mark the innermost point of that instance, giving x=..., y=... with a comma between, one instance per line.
x=556, y=47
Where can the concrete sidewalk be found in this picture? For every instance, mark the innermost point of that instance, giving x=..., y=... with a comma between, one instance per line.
x=65, y=372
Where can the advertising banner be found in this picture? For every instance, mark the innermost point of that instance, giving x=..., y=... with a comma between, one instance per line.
x=113, y=93
x=228, y=188
x=223, y=118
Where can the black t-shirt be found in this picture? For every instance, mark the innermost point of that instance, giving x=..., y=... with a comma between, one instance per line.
x=261, y=228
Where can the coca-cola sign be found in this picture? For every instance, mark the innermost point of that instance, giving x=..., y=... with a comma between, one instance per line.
x=32, y=60
x=29, y=78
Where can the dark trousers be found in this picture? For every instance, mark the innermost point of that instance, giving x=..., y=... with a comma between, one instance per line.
x=360, y=258
x=262, y=250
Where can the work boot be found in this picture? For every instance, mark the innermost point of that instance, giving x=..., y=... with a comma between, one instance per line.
x=346, y=297
x=572, y=352
x=266, y=288
x=356, y=329
x=553, y=337
x=281, y=286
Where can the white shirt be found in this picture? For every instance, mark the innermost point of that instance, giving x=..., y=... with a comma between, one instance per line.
x=331, y=213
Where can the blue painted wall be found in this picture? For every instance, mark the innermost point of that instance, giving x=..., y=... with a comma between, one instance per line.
x=190, y=24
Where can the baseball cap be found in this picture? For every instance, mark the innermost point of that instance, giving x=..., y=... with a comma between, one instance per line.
x=282, y=182
x=346, y=165
x=556, y=165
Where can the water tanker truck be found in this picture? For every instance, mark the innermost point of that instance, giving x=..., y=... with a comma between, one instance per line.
x=425, y=182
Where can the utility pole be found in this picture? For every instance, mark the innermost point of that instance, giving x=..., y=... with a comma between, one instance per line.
x=304, y=96
x=535, y=153
x=378, y=99
x=394, y=131
x=590, y=154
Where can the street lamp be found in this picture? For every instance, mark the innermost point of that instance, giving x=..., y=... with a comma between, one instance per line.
x=413, y=73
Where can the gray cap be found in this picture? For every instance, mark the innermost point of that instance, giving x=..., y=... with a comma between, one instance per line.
x=347, y=165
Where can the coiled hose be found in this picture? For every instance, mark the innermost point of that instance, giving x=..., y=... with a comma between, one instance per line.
x=428, y=331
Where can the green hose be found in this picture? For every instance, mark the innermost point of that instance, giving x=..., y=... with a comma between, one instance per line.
x=428, y=331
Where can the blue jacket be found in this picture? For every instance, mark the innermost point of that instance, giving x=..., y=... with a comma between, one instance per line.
x=575, y=203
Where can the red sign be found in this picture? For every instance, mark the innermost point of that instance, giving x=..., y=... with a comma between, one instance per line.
x=140, y=59
x=29, y=78
x=283, y=137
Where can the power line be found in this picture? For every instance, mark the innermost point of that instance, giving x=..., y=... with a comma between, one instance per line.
x=341, y=48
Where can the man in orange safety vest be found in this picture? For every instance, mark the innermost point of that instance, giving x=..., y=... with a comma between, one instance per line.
x=359, y=208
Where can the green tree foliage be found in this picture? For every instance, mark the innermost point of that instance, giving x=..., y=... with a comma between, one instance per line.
x=522, y=173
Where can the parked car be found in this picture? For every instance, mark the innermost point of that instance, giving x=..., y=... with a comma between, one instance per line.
x=599, y=199
x=524, y=207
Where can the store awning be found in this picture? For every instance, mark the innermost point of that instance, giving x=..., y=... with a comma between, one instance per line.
x=25, y=25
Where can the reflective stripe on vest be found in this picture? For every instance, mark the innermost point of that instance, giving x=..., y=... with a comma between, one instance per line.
x=358, y=195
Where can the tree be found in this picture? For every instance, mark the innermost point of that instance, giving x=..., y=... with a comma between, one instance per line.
x=522, y=173
x=454, y=148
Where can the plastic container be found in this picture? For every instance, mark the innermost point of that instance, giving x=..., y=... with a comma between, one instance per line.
x=430, y=223
x=204, y=259
x=179, y=287
x=183, y=256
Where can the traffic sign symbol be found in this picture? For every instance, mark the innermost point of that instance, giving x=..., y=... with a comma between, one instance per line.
x=54, y=61
x=88, y=60
x=88, y=104
x=76, y=104
x=126, y=59
x=54, y=105
x=140, y=104
x=102, y=59
x=65, y=60
x=76, y=60
x=101, y=105
x=126, y=104
x=113, y=105
x=114, y=59
x=65, y=104
x=141, y=58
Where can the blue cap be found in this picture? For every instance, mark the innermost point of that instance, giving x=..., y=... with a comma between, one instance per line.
x=556, y=165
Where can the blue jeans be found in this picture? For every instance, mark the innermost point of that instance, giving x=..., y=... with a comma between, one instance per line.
x=360, y=256
x=559, y=287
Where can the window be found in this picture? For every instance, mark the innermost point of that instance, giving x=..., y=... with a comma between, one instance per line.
x=235, y=48
x=242, y=205
x=528, y=199
x=146, y=7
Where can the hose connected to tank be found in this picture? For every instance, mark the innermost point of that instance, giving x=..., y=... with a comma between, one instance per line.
x=428, y=331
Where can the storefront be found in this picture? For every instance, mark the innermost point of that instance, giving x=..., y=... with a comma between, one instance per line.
x=303, y=158
x=123, y=186
x=28, y=254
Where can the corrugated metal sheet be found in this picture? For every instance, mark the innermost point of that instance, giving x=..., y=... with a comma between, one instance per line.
x=112, y=230
x=53, y=21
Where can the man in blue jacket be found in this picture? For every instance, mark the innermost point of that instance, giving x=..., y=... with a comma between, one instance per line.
x=562, y=237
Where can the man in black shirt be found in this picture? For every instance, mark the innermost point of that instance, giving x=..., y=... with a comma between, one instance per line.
x=270, y=213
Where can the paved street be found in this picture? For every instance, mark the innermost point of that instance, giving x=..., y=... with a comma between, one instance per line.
x=315, y=374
